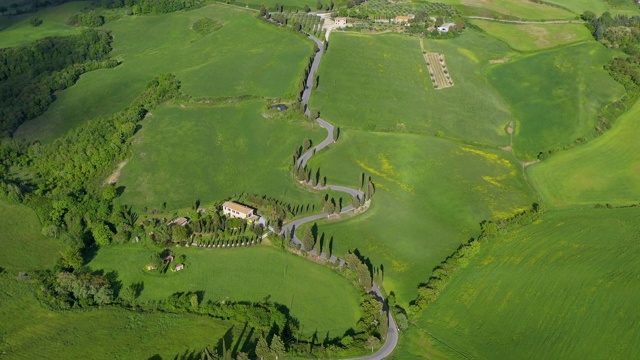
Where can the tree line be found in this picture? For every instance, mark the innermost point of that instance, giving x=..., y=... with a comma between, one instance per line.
x=32, y=73
x=443, y=273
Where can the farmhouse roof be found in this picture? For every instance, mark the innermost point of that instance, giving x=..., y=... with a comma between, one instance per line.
x=182, y=221
x=401, y=18
x=238, y=207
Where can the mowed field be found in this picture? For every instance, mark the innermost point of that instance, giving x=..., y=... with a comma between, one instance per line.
x=108, y=333
x=533, y=37
x=321, y=299
x=554, y=98
x=430, y=196
x=520, y=9
x=24, y=248
x=212, y=153
x=381, y=83
x=245, y=57
x=16, y=30
x=565, y=287
x=606, y=170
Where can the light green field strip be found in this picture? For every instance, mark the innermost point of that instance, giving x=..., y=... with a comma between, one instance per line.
x=321, y=299
x=24, y=248
x=555, y=99
x=211, y=153
x=38, y=333
x=245, y=57
x=530, y=37
x=430, y=196
x=381, y=83
x=520, y=9
x=562, y=288
x=606, y=170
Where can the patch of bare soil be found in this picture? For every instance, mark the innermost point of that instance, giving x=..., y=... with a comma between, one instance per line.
x=529, y=163
x=499, y=61
x=113, y=178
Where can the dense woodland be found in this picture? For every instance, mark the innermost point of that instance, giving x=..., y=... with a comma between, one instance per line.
x=31, y=74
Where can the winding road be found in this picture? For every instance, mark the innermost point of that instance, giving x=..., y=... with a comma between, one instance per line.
x=290, y=228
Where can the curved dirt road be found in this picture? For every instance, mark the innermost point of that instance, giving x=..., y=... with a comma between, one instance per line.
x=290, y=228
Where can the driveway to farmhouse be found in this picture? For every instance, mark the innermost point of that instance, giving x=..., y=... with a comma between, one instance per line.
x=290, y=228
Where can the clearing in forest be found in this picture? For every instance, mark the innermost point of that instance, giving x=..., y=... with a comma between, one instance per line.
x=438, y=71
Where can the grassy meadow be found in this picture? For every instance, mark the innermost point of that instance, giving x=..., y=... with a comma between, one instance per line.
x=562, y=288
x=381, y=83
x=16, y=30
x=516, y=9
x=107, y=333
x=554, y=98
x=319, y=298
x=214, y=152
x=245, y=57
x=24, y=248
x=605, y=170
x=430, y=196
x=533, y=37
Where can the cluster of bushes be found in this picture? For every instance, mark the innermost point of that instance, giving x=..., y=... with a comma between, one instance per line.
x=30, y=74
x=86, y=18
x=206, y=25
x=442, y=274
x=151, y=6
x=65, y=290
x=618, y=31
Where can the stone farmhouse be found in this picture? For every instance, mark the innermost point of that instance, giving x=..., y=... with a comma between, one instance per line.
x=403, y=19
x=341, y=22
x=233, y=209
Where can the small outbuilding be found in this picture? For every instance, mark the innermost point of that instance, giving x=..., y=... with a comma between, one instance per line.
x=181, y=221
x=179, y=267
x=446, y=27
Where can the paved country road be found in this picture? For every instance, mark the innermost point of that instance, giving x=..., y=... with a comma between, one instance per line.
x=290, y=228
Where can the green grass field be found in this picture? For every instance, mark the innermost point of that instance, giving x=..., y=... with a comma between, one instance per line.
x=535, y=37
x=23, y=246
x=16, y=30
x=554, y=98
x=430, y=196
x=381, y=83
x=562, y=288
x=319, y=298
x=606, y=170
x=108, y=333
x=245, y=57
x=580, y=6
x=513, y=8
x=211, y=153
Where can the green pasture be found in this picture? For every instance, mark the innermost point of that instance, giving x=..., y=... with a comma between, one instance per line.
x=519, y=9
x=533, y=37
x=431, y=194
x=562, y=288
x=34, y=332
x=606, y=170
x=212, y=153
x=245, y=57
x=17, y=30
x=580, y=6
x=23, y=246
x=321, y=299
x=554, y=98
x=381, y=83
